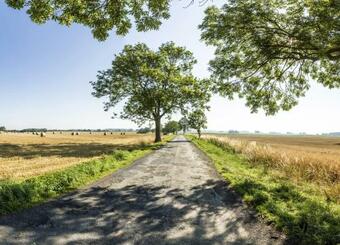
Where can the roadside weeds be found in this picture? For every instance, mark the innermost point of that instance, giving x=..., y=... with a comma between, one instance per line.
x=18, y=195
x=306, y=218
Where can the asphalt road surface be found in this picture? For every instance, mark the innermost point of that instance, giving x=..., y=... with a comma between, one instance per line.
x=172, y=196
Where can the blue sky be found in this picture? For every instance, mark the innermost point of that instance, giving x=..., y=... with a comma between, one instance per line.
x=45, y=72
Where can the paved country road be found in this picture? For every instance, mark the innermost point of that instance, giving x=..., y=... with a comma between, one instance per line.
x=172, y=196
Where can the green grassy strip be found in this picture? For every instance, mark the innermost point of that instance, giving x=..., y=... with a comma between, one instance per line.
x=305, y=218
x=15, y=195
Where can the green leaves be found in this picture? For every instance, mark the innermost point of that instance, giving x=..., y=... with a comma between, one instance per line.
x=16, y=4
x=267, y=51
x=197, y=120
x=171, y=127
x=101, y=16
x=40, y=11
x=151, y=84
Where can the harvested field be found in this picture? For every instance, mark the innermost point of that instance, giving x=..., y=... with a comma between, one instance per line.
x=310, y=143
x=24, y=155
x=326, y=150
x=307, y=158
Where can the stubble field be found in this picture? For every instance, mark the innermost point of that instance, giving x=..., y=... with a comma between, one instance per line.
x=24, y=155
x=315, y=159
x=325, y=149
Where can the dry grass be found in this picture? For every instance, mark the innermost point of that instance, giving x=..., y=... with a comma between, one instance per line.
x=274, y=184
x=26, y=155
x=312, y=159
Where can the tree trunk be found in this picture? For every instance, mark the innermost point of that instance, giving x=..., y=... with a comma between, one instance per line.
x=199, y=133
x=158, y=137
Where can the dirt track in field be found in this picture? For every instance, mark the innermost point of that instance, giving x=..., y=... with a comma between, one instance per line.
x=172, y=196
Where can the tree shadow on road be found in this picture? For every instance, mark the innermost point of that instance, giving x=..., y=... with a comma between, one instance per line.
x=136, y=214
x=179, y=141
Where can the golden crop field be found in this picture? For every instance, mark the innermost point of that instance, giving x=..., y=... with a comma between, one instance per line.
x=321, y=148
x=311, y=158
x=24, y=155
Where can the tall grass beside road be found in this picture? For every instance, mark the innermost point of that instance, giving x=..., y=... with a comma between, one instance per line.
x=304, y=206
x=295, y=165
x=16, y=194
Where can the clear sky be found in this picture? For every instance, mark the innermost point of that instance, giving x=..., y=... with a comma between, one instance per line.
x=45, y=72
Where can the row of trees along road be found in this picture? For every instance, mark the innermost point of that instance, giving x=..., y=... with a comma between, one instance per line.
x=171, y=127
x=196, y=120
x=267, y=51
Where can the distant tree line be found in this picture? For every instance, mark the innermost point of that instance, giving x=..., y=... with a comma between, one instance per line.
x=233, y=132
x=26, y=130
x=333, y=134
x=95, y=130
x=31, y=130
x=145, y=130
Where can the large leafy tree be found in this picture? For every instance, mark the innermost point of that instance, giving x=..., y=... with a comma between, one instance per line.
x=197, y=120
x=268, y=51
x=151, y=84
x=99, y=15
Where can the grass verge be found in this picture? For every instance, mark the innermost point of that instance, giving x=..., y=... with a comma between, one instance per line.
x=306, y=218
x=17, y=195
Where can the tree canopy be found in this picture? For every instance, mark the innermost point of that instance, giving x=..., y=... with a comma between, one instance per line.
x=268, y=51
x=197, y=120
x=99, y=15
x=171, y=127
x=183, y=124
x=151, y=84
